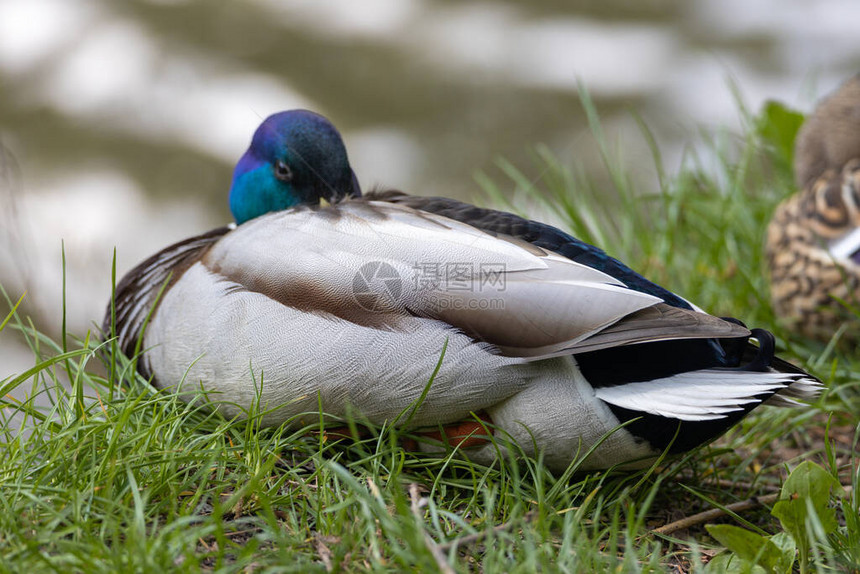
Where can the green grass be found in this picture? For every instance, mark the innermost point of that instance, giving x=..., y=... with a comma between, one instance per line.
x=113, y=476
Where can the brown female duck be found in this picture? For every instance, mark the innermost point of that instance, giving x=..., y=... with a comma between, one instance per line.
x=813, y=240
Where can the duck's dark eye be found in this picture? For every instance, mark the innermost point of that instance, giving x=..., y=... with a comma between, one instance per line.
x=283, y=171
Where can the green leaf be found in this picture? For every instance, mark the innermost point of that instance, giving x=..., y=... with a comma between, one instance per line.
x=807, y=487
x=794, y=513
x=788, y=550
x=750, y=546
x=809, y=480
x=778, y=125
x=730, y=563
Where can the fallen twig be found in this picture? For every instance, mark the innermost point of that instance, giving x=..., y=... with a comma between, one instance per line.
x=714, y=513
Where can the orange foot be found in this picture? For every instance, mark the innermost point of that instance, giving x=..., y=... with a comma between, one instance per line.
x=464, y=434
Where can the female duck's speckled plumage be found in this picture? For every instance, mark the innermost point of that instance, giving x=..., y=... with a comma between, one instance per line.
x=352, y=304
x=813, y=240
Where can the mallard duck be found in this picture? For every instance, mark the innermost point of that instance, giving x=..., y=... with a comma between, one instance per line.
x=320, y=295
x=813, y=240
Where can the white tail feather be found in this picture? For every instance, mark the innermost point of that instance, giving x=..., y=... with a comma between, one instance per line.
x=708, y=394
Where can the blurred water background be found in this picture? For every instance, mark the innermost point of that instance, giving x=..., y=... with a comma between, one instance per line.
x=120, y=121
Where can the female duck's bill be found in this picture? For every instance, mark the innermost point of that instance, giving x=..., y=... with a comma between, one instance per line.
x=352, y=304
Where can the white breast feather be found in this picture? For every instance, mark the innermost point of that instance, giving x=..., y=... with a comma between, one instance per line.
x=843, y=248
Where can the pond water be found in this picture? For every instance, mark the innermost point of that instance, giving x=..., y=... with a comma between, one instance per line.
x=121, y=121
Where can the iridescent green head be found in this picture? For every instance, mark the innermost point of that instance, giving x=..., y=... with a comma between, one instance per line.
x=295, y=158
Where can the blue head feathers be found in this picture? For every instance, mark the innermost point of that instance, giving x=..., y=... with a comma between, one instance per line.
x=295, y=158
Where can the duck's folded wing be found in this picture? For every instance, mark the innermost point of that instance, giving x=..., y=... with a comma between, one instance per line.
x=379, y=264
x=137, y=292
x=535, y=233
x=659, y=322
